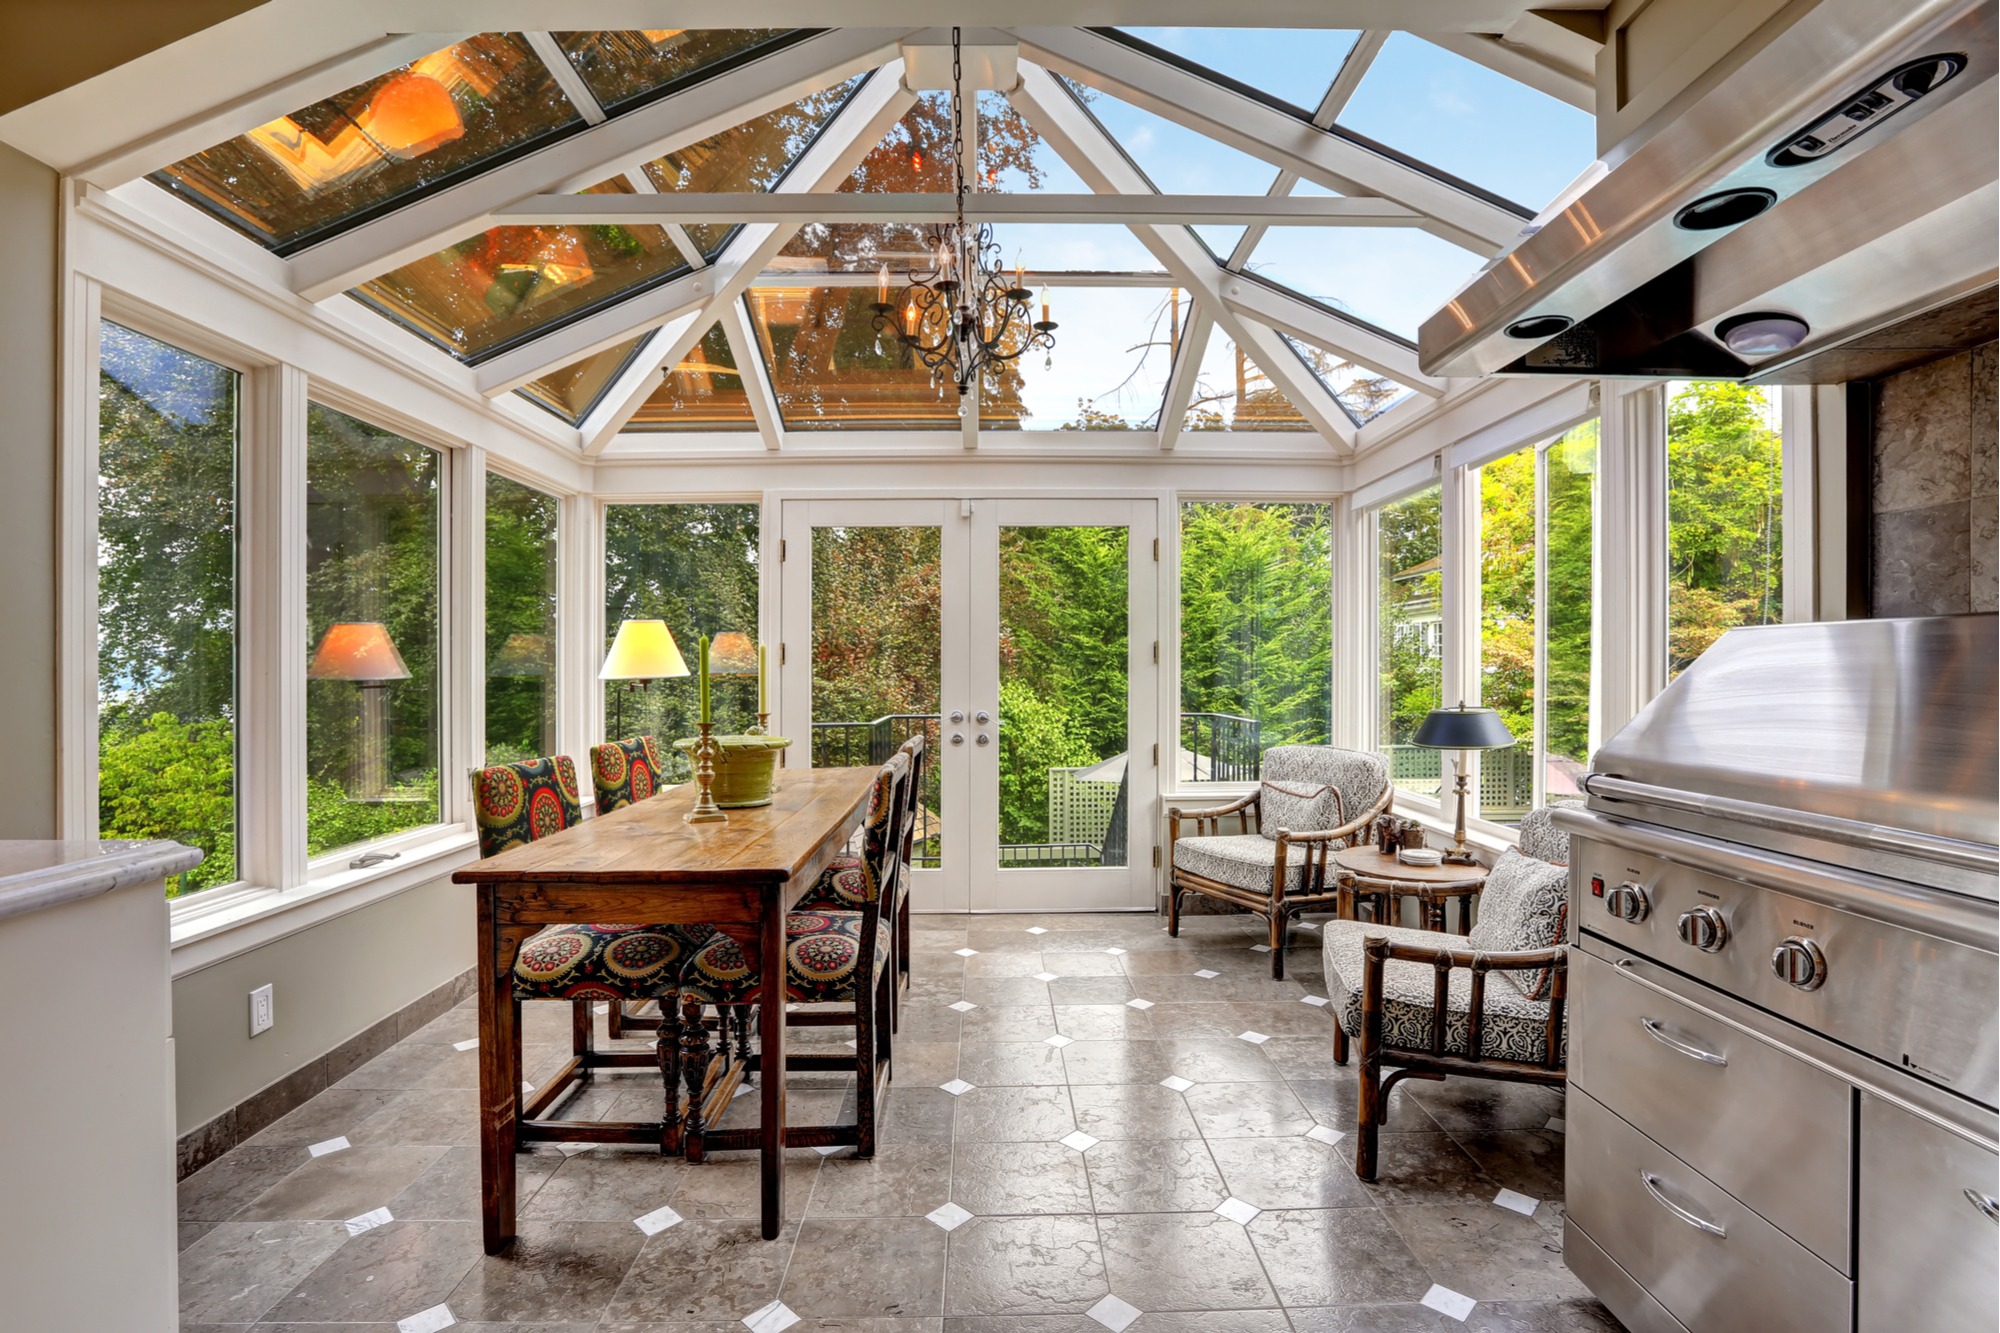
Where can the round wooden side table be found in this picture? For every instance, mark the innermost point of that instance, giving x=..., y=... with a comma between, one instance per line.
x=1367, y=873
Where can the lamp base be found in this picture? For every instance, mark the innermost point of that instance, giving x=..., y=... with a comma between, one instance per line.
x=1460, y=856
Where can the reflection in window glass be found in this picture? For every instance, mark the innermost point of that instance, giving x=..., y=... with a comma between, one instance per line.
x=1232, y=392
x=1108, y=370
x=1509, y=622
x=624, y=67
x=831, y=368
x=1392, y=277
x=1296, y=65
x=372, y=530
x=704, y=392
x=1725, y=509
x=1568, y=602
x=502, y=286
x=1463, y=118
x=572, y=391
x=520, y=621
x=914, y=157
x=1361, y=393
x=1410, y=633
x=304, y=176
x=693, y=566
x=1256, y=634
x=166, y=593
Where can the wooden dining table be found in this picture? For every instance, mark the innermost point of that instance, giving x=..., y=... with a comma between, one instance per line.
x=646, y=864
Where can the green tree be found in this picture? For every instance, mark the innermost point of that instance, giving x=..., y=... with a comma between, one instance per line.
x=1724, y=514
x=164, y=778
x=520, y=621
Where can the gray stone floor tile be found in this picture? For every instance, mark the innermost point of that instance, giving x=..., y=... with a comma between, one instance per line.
x=1183, y=1261
x=553, y=1271
x=1024, y=1265
x=241, y=1269
x=385, y=1274
x=825, y=1279
x=1020, y=1178
x=343, y=1184
x=722, y=1269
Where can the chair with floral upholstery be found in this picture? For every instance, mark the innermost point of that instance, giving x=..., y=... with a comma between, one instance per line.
x=625, y=772
x=1312, y=801
x=1420, y=1001
x=520, y=803
x=832, y=957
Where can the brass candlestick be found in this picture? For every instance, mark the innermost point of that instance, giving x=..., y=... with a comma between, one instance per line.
x=705, y=811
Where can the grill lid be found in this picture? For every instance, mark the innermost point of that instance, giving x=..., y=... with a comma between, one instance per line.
x=1862, y=742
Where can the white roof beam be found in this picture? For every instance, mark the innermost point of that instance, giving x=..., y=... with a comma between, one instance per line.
x=756, y=376
x=1090, y=153
x=635, y=382
x=1035, y=206
x=436, y=220
x=574, y=88
x=1380, y=352
x=1187, y=369
x=1456, y=213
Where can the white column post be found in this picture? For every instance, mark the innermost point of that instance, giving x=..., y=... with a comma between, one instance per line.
x=1632, y=543
x=462, y=650
x=580, y=632
x=1355, y=669
x=1459, y=609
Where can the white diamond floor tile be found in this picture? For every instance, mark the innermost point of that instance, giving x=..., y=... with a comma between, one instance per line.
x=427, y=1321
x=1038, y=930
x=658, y=1220
x=1080, y=1141
x=1316, y=1001
x=1237, y=1211
x=465, y=1045
x=1254, y=1038
x=1058, y=1041
x=1555, y=1125
x=368, y=1221
x=330, y=1145
x=1114, y=1314
x=951, y=1217
x=1452, y=1304
x=1045, y=976
x=1325, y=1135
x=1115, y=952
x=966, y=953
x=1514, y=1201
x=1260, y=948
x=963, y=1006
x=1138, y=1004
x=1307, y=925
x=958, y=1087
x=1177, y=1083
x=1207, y=974
x=773, y=1318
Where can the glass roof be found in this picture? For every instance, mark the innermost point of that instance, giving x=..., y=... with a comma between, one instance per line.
x=1014, y=159
x=1175, y=159
x=1231, y=392
x=1362, y=393
x=1391, y=277
x=703, y=392
x=1108, y=370
x=624, y=68
x=1465, y=119
x=1295, y=65
x=830, y=368
x=571, y=391
x=302, y=177
x=913, y=158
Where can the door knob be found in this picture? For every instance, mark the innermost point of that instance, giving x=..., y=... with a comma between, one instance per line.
x=982, y=717
x=984, y=739
x=958, y=738
x=957, y=717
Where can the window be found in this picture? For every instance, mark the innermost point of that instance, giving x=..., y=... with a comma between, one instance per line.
x=625, y=68
x=1256, y=634
x=572, y=391
x=1725, y=540
x=695, y=567
x=520, y=621
x=1232, y=392
x=704, y=392
x=372, y=529
x=1361, y=393
x=1536, y=510
x=1409, y=541
x=166, y=594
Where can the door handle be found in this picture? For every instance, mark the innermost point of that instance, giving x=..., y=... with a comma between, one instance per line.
x=1658, y=1032
x=958, y=738
x=1652, y=1184
x=957, y=717
x=982, y=717
x=984, y=739
x=1985, y=1203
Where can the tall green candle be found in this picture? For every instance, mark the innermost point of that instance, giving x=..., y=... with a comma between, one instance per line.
x=702, y=681
x=763, y=690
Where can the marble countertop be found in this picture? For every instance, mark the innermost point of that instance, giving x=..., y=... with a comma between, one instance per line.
x=39, y=874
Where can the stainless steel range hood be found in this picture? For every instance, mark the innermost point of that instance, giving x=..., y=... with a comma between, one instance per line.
x=1864, y=132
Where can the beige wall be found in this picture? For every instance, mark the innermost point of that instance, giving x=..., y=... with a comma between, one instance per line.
x=1935, y=504
x=40, y=50
x=28, y=387
x=333, y=981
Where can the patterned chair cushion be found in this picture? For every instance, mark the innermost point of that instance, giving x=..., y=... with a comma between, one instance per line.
x=624, y=772
x=821, y=950
x=1360, y=777
x=601, y=963
x=518, y=803
x=842, y=887
x=1525, y=905
x=1242, y=860
x=1297, y=807
x=1513, y=1028
x=1541, y=839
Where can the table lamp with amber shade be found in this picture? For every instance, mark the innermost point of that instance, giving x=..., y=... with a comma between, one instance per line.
x=642, y=652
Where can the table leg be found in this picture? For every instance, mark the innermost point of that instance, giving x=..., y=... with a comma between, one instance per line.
x=499, y=1070
x=771, y=1076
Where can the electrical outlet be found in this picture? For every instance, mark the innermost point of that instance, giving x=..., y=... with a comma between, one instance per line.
x=263, y=1012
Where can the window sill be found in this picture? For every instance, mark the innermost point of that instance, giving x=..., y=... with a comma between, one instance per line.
x=208, y=931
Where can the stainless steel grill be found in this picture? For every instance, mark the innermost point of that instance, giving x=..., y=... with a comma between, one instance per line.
x=1786, y=902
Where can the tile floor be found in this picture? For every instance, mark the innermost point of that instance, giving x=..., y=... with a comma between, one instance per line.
x=1164, y=1170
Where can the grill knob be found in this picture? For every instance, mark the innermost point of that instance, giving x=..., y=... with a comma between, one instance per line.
x=1628, y=902
x=1798, y=962
x=1703, y=928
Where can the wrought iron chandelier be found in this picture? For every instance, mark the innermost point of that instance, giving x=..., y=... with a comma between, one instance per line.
x=962, y=314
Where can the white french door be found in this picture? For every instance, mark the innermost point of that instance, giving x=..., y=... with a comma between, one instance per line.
x=1019, y=636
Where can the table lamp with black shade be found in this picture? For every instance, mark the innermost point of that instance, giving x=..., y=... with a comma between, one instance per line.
x=1462, y=729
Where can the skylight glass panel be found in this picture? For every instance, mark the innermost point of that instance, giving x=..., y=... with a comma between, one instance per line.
x=300, y=178
x=1362, y=394
x=1013, y=158
x=1295, y=65
x=622, y=68
x=572, y=391
x=1465, y=119
x=704, y=392
x=830, y=369
x=913, y=158
x=751, y=157
x=1392, y=277
x=1175, y=159
x=1108, y=369
x=1231, y=392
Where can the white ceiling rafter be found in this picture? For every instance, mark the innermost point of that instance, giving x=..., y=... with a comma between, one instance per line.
x=1380, y=352
x=1097, y=159
x=839, y=148
x=1461, y=216
x=1352, y=70
x=545, y=46
x=1538, y=69
x=634, y=382
x=1186, y=371
x=756, y=376
x=937, y=206
x=440, y=218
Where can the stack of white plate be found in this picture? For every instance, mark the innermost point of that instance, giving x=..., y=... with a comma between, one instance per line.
x=1420, y=856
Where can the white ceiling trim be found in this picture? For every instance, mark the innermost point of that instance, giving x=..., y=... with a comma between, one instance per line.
x=1360, y=344
x=1186, y=371
x=1036, y=206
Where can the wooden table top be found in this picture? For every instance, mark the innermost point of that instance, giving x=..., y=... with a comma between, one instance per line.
x=649, y=843
x=1371, y=864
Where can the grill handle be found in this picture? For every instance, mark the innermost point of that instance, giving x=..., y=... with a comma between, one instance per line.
x=1985, y=1203
x=1702, y=1224
x=1658, y=1032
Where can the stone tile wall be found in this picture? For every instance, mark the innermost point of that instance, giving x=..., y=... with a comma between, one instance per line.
x=1935, y=502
